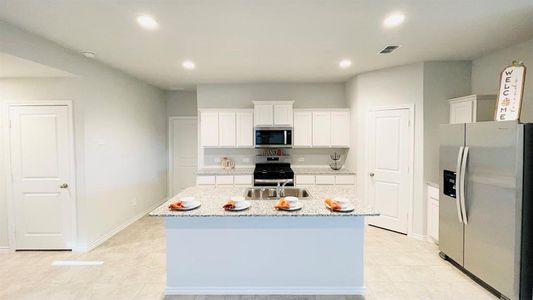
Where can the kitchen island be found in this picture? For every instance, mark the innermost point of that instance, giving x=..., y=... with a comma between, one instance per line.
x=312, y=251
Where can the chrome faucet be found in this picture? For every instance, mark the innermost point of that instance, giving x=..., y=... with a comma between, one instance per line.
x=280, y=187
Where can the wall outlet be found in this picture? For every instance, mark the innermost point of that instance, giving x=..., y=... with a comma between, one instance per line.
x=134, y=201
x=301, y=159
x=245, y=160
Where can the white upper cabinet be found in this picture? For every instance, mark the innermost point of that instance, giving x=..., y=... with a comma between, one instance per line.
x=322, y=128
x=303, y=129
x=273, y=113
x=245, y=128
x=472, y=108
x=340, y=129
x=283, y=114
x=226, y=129
x=209, y=129
x=263, y=114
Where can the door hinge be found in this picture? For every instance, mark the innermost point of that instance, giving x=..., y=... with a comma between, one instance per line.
x=409, y=123
x=9, y=123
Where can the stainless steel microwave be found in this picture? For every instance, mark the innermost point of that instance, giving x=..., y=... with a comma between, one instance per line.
x=273, y=137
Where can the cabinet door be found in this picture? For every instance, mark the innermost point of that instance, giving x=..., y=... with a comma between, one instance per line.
x=325, y=179
x=209, y=129
x=205, y=180
x=321, y=129
x=264, y=115
x=340, y=129
x=303, y=129
x=283, y=114
x=462, y=112
x=305, y=179
x=224, y=180
x=226, y=129
x=245, y=129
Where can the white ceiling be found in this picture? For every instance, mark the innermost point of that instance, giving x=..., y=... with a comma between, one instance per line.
x=271, y=41
x=15, y=67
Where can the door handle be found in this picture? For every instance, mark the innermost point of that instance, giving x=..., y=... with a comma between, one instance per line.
x=462, y=184
x=371, y=174
x=63, y=186
x=457, y=183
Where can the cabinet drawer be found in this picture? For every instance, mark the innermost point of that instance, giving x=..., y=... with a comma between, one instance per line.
x=243, y=179
x=325, y=179
x=224, y=180
x=205, y=180
x=305, y=179
x=345, y=179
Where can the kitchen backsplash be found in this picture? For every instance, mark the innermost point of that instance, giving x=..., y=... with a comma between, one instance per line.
x=246, y=157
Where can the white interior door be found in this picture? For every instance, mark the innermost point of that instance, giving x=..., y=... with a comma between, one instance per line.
x=183, y=152
x=41, y=157
x=389, y=181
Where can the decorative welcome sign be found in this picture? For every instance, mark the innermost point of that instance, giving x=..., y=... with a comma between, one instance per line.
x=511, y=91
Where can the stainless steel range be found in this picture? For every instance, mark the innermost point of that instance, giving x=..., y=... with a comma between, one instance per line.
x=273, y=170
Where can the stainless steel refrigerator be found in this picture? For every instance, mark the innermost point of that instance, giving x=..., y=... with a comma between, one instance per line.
x=485, y=211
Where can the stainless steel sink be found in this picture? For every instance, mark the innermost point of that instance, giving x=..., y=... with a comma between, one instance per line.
x=269, y=193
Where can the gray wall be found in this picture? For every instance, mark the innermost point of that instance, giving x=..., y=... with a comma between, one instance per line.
x=119, y=127
x=486, y=73
x=392, y=86
x=442, y=81
x=306, y=95
x=181, y=103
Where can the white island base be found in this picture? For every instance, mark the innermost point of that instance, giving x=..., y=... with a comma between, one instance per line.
x=265, y=255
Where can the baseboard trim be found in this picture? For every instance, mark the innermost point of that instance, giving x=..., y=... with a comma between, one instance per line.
x=121, y=227
x=418, y=236
x=170, y=291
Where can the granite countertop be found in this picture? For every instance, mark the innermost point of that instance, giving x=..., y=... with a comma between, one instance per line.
x=320, y=171
x=213, y=198
x=298, y=170
x=220, y=171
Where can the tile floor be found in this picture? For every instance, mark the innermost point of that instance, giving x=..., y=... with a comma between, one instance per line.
x=396, y=267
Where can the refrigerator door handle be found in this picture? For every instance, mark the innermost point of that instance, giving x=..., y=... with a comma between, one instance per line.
x=457, y=185
x=462, y=184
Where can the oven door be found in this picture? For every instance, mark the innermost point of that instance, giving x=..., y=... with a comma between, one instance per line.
x=273, y=137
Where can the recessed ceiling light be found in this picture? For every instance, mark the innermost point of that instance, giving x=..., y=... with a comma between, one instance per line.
x=188, y=64
x=147, y=22
x=345, y=63
x=394, y=19
x=89, y=54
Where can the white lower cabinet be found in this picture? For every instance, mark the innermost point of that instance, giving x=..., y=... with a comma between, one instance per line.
x=304, y=179
x=433, y=213
x=243, y=180
x=205, y=180
x=344, y=179
x=224, y=180
x=325, y=179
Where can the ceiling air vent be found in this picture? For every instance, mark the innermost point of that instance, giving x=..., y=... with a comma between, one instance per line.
x=388, y=49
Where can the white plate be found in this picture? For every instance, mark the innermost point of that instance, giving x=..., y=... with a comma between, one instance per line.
x=195, y=204
x=245, y=205
x=298, y=206
x=349, y=208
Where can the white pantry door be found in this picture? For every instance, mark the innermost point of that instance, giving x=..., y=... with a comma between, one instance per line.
x=388, y=178
x=41, y=157
x=183, y=152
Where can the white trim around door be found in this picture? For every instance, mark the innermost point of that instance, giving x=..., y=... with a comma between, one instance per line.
x=170, y=191
x=411, y=145
x=6, y=105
